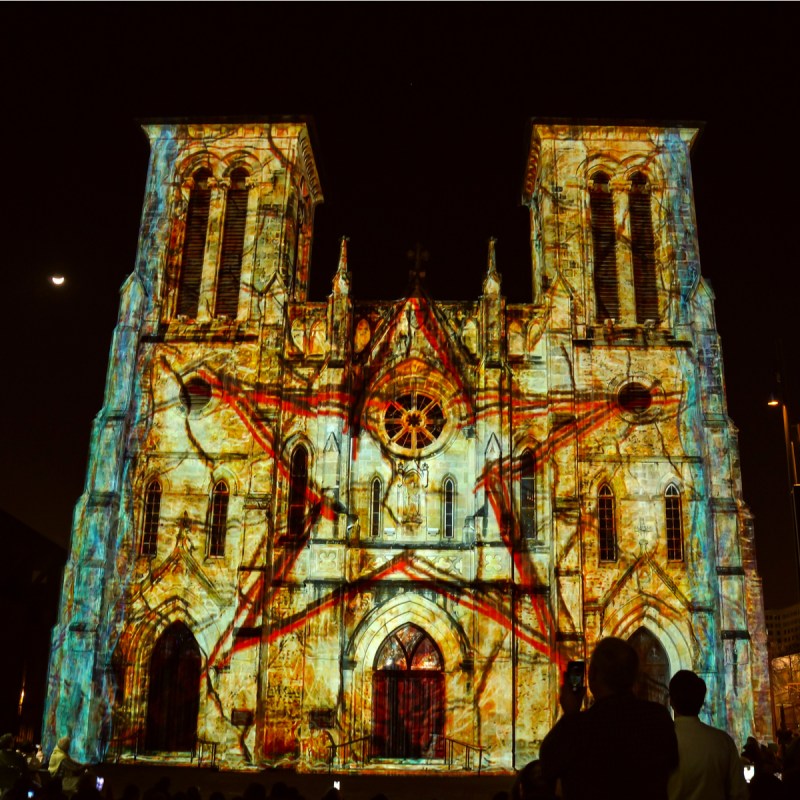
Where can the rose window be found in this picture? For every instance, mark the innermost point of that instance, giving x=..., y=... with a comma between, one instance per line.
x=413, y=421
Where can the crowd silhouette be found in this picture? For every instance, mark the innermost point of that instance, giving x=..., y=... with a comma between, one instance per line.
x=618, y=748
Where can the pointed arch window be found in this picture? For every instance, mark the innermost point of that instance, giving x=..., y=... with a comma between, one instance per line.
x=194, y=244
x=298, y=488
x=674, y=523
x=643, y=250
x=527, y=495
x=449, y=507
x=232, y=250
x=152, y=515
x=606, y=524
x=376, y=492
x=219, y=519
x=604, y=241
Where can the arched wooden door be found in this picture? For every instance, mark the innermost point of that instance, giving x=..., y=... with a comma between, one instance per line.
x=654, y=670
x=174, y=696
x=408, y=697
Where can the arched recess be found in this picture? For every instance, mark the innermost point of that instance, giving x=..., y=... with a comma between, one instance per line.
x=669, y=625
x=173, y=698
x=449, y=638
x=654, y=667
x=404, y=609
x=148, y=622
x=408, y=689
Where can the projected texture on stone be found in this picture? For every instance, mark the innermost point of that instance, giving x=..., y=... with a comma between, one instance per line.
x=376, y=531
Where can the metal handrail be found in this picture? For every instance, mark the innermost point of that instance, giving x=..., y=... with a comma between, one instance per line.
x=336, y=747
x=450, y=745
x=130, y=742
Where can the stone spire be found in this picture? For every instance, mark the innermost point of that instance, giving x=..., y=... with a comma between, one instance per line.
x=491, y=283
x=341, y=280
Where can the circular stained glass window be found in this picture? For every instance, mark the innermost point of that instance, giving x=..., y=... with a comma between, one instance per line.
x=413, y=421
x=635, y=398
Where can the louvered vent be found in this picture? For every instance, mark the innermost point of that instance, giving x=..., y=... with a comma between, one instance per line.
x=643, y=250
x=601, y=206
x=230, y=268
x=194, y=245
x=196, y=394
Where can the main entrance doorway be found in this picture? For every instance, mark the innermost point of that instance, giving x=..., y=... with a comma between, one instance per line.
x=408, y=697
x=654, y=671
x=174, y=699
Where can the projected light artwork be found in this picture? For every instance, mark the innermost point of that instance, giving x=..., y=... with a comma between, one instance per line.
x=372, y=533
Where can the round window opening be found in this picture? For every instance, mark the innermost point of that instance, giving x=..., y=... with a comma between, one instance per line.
x=413, y=421
x=195, y=394
x=635, y=398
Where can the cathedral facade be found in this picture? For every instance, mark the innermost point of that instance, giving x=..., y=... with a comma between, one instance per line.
x=372, y=534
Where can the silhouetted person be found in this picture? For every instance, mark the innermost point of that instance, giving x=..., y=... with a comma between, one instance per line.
x=13, y=766
x=255, y=791
x=620, y=748
x=709, y=766
x=531, y=784
x=62, y=765
x=132, y=792
x=764, y=785
x=791, y=766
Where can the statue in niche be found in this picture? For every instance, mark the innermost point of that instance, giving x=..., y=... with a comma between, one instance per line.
x=299, y=334
x=412, y=497
x=470, y=336
x=317, y=339
x=362, y=336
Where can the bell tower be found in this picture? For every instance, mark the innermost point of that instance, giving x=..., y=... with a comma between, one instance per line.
x=224, y=247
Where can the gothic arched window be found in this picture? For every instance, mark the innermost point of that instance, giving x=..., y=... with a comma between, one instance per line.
x=527, y=495
x=298, y=488
x=604, y=240
x=219, y=519
x=674, y=523
x=152, y=514
x=643, y=250
x=449, y=507
x=194, y=244
x=408, y=696
x=230, y=261
x=376, y=490
x=606, y=524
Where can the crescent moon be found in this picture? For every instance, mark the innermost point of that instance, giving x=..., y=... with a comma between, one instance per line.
x=57, y=280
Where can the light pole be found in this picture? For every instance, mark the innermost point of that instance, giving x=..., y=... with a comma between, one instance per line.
x=791, y=473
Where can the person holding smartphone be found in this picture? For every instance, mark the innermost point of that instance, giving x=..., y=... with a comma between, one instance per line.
x=620, y=747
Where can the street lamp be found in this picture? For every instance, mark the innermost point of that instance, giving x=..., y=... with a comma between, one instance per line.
x=791, y=473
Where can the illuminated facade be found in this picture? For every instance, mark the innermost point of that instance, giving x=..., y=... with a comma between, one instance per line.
x=380, y=529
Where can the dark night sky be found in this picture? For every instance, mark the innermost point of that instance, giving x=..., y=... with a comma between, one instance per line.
x=420, y=113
